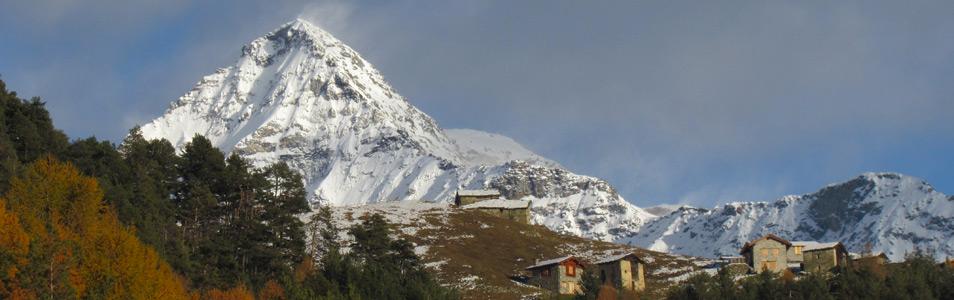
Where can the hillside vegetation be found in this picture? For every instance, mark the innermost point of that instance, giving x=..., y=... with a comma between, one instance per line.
x=479, y=253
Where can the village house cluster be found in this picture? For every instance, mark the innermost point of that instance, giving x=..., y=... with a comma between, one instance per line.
x=560, y=275
x=627, y=271
x=564, y=275
x=772, y=253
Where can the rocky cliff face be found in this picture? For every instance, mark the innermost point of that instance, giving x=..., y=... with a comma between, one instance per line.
x=301, y=96
x=881, y=212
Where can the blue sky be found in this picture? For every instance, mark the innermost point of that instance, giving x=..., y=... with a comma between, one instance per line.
x=698, y=103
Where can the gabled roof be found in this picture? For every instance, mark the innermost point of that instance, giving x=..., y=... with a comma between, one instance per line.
x=499, y=203
x=554, y=261
x=767, y=236
x=478, y=193
x=615, y=258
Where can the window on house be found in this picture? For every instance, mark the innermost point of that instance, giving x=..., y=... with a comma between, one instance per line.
x=564, y=285
x=774, y=251
x=546, y=272
x=764, y=265
x=772, y=264
x=798, y=250
x=764, y=251
x=572, y=286
x=570, y=271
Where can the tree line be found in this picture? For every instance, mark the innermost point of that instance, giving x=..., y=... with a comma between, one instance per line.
x=213, y=225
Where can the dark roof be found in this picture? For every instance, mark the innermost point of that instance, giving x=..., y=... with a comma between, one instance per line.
x=767, y=236
x=615, y=258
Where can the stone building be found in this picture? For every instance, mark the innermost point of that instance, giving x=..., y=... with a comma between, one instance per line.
x=516, y=210
x=465, y=197
x=825, y=257
x=767, y=253
x=562, y=275
x=624, y=272
x=773, y=253
x=875, y=259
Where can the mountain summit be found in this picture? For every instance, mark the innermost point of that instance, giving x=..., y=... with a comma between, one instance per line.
x=301, y=96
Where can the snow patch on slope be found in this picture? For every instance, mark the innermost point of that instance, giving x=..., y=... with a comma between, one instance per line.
x=890, y=212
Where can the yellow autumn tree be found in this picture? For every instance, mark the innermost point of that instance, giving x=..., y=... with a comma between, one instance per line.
x=86, y=251
x=14, y=244
x=239, y=292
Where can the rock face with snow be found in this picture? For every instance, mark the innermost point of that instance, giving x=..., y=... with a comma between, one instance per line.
x=301, y=96
x=883, y=212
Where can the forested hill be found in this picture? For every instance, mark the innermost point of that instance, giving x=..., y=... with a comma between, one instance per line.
x=90, y=219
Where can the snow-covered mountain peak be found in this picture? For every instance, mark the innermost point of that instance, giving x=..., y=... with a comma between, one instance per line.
x=298, y=85
x=300, y=96
x=889, y=212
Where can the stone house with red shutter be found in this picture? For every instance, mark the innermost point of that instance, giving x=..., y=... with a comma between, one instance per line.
x=561, y=275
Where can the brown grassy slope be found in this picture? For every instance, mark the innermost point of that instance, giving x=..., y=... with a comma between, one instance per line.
x=476, y=252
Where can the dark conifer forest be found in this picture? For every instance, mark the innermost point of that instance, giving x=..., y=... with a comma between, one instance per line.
x=94, y=220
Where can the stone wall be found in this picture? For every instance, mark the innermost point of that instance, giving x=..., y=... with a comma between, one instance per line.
x=464, y=200
x=765, y=252
x=549, y=282
x=824, y=260
x=558, y=281
x=521, y=215
x=624, y=274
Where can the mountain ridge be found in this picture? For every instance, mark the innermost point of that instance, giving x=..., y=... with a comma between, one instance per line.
x=882, y=212
x=300, y=96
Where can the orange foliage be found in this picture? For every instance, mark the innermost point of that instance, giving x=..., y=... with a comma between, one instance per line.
x=307, y=266
x=787, y=275
x=17, y=242
x=64, y=212
x=12, y=236
x=271, y=291
x=235, y=293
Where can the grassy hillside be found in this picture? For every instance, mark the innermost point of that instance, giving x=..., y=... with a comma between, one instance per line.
x=478, y=253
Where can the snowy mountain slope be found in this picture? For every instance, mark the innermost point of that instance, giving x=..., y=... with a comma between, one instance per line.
x=300, y=96
x=891, y=213
x=482, y=148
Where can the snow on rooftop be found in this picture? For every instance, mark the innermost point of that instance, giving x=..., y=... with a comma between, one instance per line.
x=478, y=193
x=499, y=203
x=808, y=246
x=549, y=262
